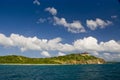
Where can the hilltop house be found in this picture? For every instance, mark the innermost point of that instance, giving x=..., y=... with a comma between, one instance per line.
x=85, y=54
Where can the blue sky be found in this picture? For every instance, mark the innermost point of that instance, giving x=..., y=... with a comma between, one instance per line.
x=44, y=28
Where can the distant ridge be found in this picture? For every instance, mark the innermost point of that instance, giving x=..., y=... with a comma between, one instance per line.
x=83, y=58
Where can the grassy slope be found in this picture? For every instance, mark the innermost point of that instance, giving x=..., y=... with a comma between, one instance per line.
x=68, y=59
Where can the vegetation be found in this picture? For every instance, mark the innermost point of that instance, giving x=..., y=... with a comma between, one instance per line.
x=68, y=59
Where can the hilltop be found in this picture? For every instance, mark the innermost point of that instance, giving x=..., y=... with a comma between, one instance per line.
x=83, y=58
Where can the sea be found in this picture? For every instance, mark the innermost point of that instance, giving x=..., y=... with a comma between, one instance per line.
x=61, y=72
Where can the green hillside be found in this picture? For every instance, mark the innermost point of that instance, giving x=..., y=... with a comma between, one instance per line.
x=68, y=59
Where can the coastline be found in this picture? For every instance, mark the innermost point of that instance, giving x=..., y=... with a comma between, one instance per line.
x=48, y=64
x=33, y=64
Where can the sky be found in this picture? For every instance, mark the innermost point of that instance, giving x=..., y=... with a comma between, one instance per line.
x=47, y=28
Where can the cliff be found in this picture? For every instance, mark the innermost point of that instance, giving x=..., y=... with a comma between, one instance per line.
x=67, y=59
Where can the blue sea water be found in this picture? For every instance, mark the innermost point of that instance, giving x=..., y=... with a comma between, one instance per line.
x=60, y=72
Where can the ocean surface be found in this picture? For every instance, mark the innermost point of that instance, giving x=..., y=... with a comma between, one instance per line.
x=60, y=72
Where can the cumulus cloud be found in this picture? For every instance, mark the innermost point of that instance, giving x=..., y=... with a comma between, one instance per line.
x=51, y=10
x=74, y=27
x=61, y=54
x=31, y=43
x=111, y=46
x=87, y=44
x=34, y=43
x=91, y=44
x=93, y=24
x=66, y=47
x=45, y=53
x=36, y=2
x=24, y=43
x=5, y=41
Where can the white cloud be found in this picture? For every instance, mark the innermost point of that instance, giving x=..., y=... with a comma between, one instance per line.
x=66, y=47
x=61, y=54
x=34, y=43
x=110, y=56
x=36, y=2
x=5, y=41
x=41, y=20
x=87, y=44
x=91, y=44
x=97, y=23
x=74, y=27
x=54, y=44
x=31, y=43
x=114, y=17
x=45, y=53
x=51, y=10
x=107, y=56
x=95, y=53
x=25, y=43
x=111, y=46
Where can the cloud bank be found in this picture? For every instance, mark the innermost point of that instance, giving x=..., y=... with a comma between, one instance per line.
x=89, y=44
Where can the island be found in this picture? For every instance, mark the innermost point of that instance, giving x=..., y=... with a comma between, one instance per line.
x=79, y=58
